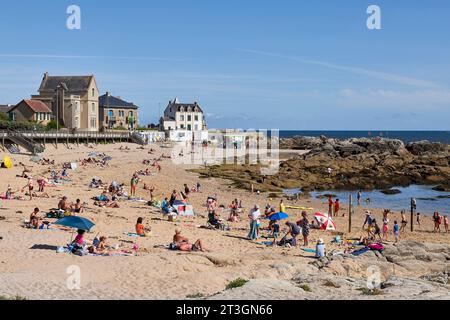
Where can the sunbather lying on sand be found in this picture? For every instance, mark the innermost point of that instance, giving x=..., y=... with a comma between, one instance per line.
x=101, y=247
x=182, y=243
x=107, y=204
x=40, y=195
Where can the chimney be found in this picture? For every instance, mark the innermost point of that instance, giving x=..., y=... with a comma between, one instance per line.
x=46, y=75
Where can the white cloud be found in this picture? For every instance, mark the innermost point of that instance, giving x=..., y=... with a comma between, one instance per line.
x=400, y=79
x=379, y=98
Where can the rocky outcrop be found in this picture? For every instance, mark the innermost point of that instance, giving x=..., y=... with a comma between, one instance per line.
x=356, y=164
x=408, y=270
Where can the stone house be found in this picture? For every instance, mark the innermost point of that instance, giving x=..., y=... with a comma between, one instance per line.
x=116, y=112
x=72, y=99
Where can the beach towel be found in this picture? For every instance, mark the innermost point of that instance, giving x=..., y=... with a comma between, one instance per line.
x=309, y=250
x=360, y=251
x=376, y=246
x=132, y=234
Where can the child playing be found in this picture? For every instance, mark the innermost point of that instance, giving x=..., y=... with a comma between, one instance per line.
x=320, y=249
x=418, y=219
x=446, y=224
x=385, y=228
x=275, y=227
x=396, y=231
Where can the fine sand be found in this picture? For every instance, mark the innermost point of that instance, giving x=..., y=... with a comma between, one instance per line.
x=31, y=267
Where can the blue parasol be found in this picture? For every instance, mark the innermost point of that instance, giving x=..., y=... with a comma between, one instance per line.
x=76, y=222
x=278, y=216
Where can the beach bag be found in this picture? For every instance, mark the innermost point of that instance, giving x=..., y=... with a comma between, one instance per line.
x=376, y=246
x=173, y=246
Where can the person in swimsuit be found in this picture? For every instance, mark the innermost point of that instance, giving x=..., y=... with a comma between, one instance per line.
x=304, y=224
x=186, y=246
x=141, y=230
x=134, y=182
x=437, y=221
x=63, y=205
x=404, y=221
x=78, y=207
x=446, y=224
x=30, y=186
x=35, y=219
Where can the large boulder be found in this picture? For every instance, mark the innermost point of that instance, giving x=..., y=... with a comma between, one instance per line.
x=426, y=147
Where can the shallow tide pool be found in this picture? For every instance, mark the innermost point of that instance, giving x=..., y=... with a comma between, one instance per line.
x=428, y=200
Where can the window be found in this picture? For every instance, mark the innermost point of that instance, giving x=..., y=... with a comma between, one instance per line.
x=196, y=118
x=189, y=127
x=130, y=113
x=182, y=126
x=189, y=118
x=93, y=122
x=182, y=118
x=196, y=127
x=93, y=92
x=93, y=108
x=110, y=113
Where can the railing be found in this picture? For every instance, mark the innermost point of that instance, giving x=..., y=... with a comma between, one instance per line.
x=69, y=134
x=24, y=141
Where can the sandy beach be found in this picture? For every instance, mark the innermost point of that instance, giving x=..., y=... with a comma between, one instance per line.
x=30, y=266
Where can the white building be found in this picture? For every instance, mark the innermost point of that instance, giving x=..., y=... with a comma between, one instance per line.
x=183, y=117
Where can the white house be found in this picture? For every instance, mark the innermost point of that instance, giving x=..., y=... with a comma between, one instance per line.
x=183, y=116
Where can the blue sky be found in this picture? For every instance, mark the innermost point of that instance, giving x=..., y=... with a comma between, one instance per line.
x=250, y=64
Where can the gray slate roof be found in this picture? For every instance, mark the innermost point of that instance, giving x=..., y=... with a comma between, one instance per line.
x=109, y=101
x=73, y=83
x=4, y=108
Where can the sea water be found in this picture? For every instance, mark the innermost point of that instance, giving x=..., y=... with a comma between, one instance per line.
x=428, y=200
x=405, y=136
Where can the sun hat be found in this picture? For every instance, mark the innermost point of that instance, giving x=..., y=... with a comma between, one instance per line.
x=320, y=241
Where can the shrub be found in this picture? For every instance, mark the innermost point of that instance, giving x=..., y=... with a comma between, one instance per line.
x=239, y=282
x=51, y=125
x=305, y=287
x=17, y=297
x=370, y=292
x=25, y=126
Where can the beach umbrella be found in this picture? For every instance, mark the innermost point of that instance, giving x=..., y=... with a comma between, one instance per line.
x=7, y=162
x=75, y=222
x=326, y=222
x=278, y=216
